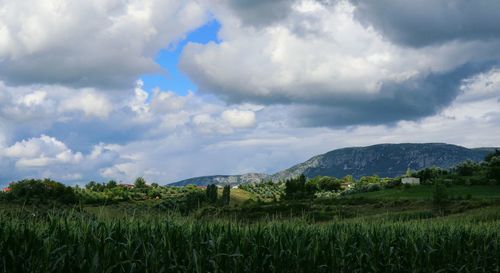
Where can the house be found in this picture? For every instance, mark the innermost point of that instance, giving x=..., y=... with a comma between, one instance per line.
x=6, y=189
x=410, y=180
x=127, y=186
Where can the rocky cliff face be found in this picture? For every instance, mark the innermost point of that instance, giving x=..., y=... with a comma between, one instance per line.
x=384, y=160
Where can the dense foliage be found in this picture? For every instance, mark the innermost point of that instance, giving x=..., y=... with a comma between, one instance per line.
x=373, y=224
x=78, y=242
x=226, y=195
x=212, y=194
x=265, y=191
x=486, y=172
x=111, y=192
x=40, y=191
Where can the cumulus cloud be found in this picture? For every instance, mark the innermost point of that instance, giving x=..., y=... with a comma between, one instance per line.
x=89, y=102
x=239, y=118
x=166, y=154
x=42, y=126
x=321, y=59
x=388, y=71
x=95, y=43
x=41, y=152
x=46, y=156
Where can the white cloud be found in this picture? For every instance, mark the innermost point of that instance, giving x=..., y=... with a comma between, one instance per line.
x=180, y=136
x=69, y=108
x=46, y=156
x=321, y=57
x=40, y=152
x=482, y=86
x=89, y=102
x=95, y=43
x=33, y=99
x=239, y=118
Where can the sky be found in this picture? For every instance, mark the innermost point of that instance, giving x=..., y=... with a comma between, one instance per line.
x=168, y=90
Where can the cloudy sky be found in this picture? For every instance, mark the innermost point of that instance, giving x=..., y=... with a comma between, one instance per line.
x=171, y=89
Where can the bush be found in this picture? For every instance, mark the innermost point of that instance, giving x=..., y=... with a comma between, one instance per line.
x=392, y=183
x=326, y=195
x=41, y=191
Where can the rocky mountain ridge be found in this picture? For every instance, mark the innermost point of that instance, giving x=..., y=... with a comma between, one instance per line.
x=384, y=160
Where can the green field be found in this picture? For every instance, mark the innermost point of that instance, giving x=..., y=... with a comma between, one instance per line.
x=166, y=229
x=73, y=241
x=425, y=193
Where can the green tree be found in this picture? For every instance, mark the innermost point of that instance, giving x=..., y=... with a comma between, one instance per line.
x=322, y=183
x=348, y=179
x=41, y=191
x=211, y=193
x=91, y=186
x=327, y=183
x=490, y=156
x=140, y=182
x=111, y=184
x=493, y=169
x=467, y=168
x=428, y=175
x=295, y=188
x=193, y=200
x=226, y=195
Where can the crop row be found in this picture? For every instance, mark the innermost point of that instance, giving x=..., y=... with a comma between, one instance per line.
x=76, y=242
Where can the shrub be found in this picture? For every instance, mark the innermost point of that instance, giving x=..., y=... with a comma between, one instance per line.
x=326, y=195
x=37, y=190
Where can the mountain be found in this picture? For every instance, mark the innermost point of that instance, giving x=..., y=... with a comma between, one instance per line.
x=223, y=179
x=384, y=160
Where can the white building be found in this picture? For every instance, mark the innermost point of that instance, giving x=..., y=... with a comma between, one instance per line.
x=410, y=180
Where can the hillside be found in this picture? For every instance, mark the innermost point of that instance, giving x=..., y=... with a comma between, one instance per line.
x=223, y=179
x=385, y=160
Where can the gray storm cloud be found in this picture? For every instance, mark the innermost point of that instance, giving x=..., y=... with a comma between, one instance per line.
x=347, y=63
x=429, y=22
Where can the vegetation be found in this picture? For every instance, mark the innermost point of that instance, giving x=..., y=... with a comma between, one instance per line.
x=140, y=183
x=212, y=193
x=40, y=191
x=73, y=241
x=466, y=173
x=265, y=191
x=450, y=223
x=226, y=195
x=440, y=197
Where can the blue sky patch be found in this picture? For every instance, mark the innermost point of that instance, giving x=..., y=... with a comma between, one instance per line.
x=168, y=58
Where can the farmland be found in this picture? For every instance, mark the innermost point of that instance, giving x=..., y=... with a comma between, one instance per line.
x=323, y=224
x=73, y=241
x=359, y=233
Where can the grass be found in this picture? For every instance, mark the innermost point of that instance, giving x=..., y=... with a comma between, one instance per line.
x=391, y=230
x=73, y=241
x=424, y=192
x=239, y=196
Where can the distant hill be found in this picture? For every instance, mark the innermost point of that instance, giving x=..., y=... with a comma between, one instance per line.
x=223, y=179
x=384, y=160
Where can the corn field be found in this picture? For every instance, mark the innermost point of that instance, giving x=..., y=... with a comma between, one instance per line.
x=71, y=241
